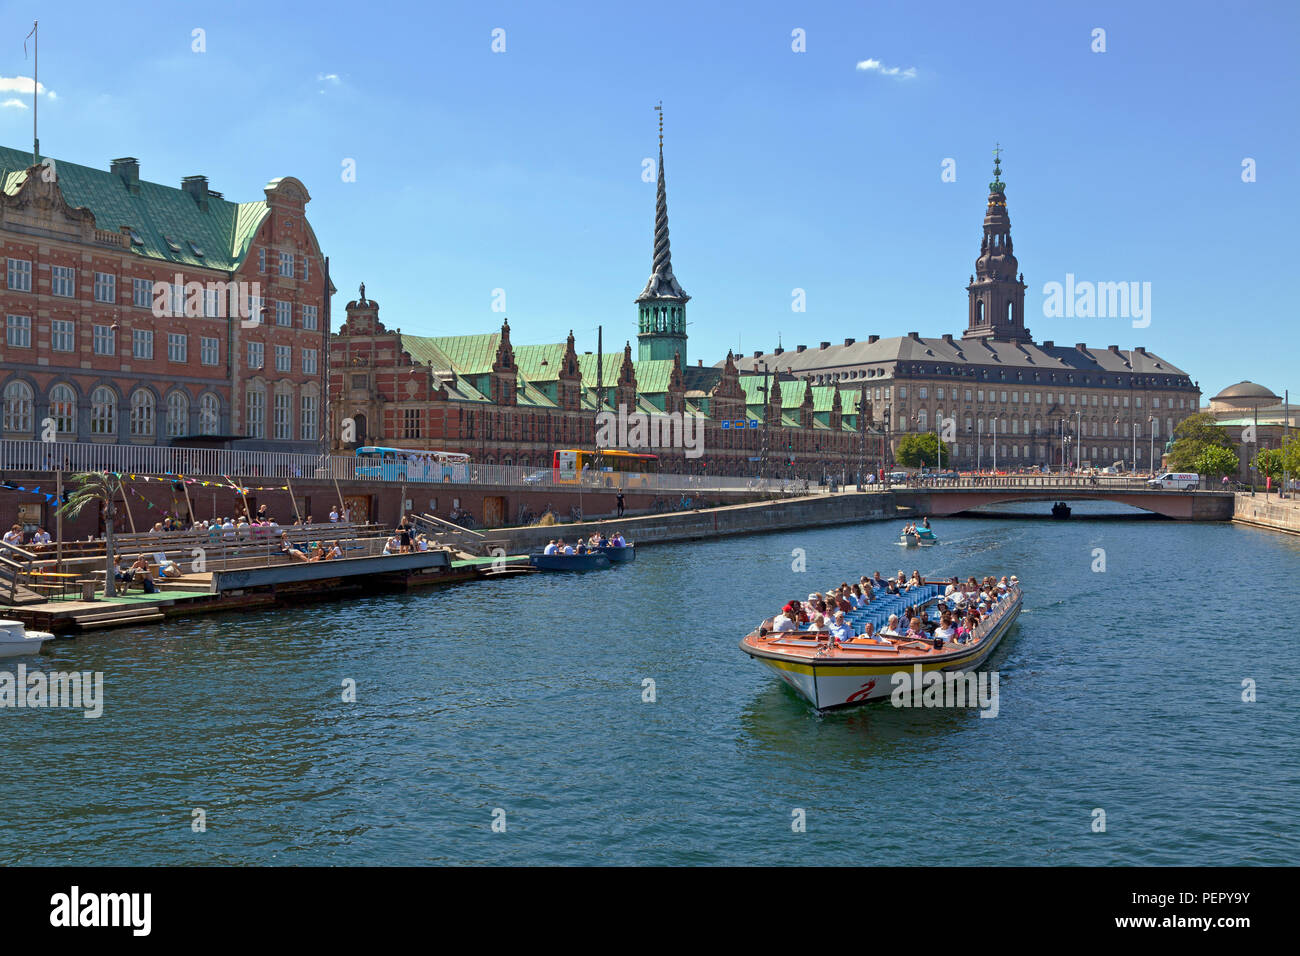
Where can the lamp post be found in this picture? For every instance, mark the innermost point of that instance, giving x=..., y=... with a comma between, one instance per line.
x=1060, y=428
x=1133, y=428
x=1151, y=428
x=993, y=425
x=1078, y=440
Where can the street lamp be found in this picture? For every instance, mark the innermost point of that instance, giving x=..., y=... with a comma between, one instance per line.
x=993, y=425
x=1078, y=439
x=1151, y=428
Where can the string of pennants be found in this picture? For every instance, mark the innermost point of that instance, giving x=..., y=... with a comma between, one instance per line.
x=740, y=423
x=10, y=486
x=225, y=483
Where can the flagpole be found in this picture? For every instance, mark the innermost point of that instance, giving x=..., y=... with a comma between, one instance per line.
x=36, y=90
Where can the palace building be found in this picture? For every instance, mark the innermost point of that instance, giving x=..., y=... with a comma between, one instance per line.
x=139, y=313
x=996, y=393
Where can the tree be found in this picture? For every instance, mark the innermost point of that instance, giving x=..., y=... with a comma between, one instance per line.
x=1271, y=462
x=921, y=451
x=102, y=487
x=1193, y=435
x=1215, y=462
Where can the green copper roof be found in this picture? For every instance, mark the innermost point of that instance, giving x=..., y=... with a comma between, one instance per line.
x=162, y=216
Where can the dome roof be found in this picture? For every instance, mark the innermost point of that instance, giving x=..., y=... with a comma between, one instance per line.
x=1247, y=393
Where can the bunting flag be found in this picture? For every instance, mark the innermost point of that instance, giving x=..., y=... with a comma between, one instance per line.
x=171, y=477
x=10, y=486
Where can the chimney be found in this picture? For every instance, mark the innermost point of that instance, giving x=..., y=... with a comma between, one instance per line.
x=758, y=353
x=1140, y=350
x=1113, y=349
x=778, y=350
x=128, y=167
x=914, y=336
x=849, y=341
x=699, y=363
x=873, y=339
x=197, y=186
x=1082, y=347
x=801, y=348
x=825, y=345
x=947, y=337
x=1049, y=344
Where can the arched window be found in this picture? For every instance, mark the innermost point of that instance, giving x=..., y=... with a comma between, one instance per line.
x=18, y=407
x=209, y=414
x=1010, y=312
x=103, y=411
x=979, y=312
x=63, y=409
x=142, y=412
x=178, y=414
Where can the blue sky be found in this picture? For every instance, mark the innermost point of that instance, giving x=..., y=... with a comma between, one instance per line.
x=522, y=170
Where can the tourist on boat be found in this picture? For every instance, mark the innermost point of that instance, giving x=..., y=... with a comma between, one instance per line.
x=841, y=629
x=618, y=541
x=550, y=547
x=786, y=620
x=915, y=629
x=925, y=521
x=566, y=548
x=946, y=629
x=891, y=628
x=915, y=580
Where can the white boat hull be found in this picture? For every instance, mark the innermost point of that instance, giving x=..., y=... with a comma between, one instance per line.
x=16, y=640
x=828, y=686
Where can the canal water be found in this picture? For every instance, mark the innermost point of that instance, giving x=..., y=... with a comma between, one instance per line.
x=524, y=702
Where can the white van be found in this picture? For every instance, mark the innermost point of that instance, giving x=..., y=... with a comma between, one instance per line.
x=1185, y=480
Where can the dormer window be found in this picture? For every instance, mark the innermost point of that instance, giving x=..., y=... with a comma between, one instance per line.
x=135, y=237
x=195, y=248
x=170, y=244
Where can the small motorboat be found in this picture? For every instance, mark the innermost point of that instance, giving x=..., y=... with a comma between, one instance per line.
x=588, y=561
x=830, y=674
x=16, y=639
x=1060, y=510
x=921, y=536
x=622, y=555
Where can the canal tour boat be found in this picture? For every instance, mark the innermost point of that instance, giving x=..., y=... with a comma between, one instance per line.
x=830, y=675
x=16, y=639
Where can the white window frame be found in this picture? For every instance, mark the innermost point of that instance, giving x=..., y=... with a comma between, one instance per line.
x=63, y=278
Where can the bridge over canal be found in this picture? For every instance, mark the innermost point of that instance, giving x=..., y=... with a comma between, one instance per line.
x=953, y=496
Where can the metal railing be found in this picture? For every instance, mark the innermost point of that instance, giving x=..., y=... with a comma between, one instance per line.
x=158, y=460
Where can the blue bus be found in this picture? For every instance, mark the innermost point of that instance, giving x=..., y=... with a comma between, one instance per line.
x=412, y=464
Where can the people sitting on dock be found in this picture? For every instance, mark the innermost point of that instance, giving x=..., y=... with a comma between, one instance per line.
x=41, y=537
x=421, y=542
x=336, y=552
x=392, y=545
x=140, y=572
x=14, y=535
x=334, y=514
x=287, y=547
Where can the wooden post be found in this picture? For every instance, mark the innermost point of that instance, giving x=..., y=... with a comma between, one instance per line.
x=58, y=520
x=189, y=505
x=293, y=500
x=126, y=503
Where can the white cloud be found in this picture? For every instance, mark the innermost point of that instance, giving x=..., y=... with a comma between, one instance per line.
x=875, y=66
x=23, y=84
x=13, y=104
x=329, y=78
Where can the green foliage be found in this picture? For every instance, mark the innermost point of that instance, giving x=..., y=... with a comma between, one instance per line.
x=1193, y=436
x=1270, y=463
x=1215, y=462
x=921, y=451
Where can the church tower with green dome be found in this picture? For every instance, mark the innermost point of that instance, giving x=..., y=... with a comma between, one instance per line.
x=661, y=306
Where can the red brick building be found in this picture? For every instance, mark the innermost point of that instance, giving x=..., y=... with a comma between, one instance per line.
x=147, y=314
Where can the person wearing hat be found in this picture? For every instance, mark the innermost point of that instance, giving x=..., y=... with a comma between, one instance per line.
x=785, y=621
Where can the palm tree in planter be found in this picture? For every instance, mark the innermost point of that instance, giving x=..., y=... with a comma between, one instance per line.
x=102, y=487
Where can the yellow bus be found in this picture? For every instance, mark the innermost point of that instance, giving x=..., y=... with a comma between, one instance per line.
x=616, y=469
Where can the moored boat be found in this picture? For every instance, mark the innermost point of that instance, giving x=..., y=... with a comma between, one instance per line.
x=830, y=674
x=921, y=536
x=16, y=639
x=589, y=561
x=617, y=555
